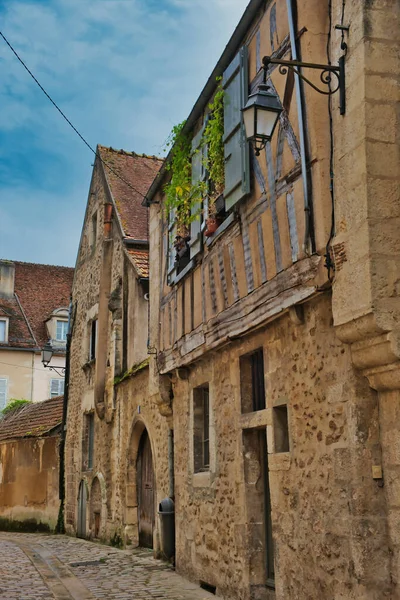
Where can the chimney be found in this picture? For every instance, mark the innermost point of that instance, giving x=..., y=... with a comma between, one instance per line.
x=7, y=274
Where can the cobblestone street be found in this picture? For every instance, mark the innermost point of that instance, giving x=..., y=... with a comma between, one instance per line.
x=40, y=567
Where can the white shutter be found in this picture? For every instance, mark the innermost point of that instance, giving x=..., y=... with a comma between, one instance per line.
x=235, y=83
x=55, y=387
x=3, y=392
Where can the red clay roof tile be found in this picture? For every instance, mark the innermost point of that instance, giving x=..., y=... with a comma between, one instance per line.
x=140, y=259
x=139, y=170
x=41, y=289
x=32, y=420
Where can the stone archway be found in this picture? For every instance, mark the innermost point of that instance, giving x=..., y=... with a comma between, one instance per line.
x=83, y=496
x=97, y=507
x=138, y=433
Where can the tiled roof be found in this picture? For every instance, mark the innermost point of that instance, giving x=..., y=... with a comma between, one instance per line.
x=19, y=335
x=32, y=420
x=140, y=259
x=138, y=170
x=41, y=289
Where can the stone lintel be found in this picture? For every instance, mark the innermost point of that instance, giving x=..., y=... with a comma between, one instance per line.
x=256, y=420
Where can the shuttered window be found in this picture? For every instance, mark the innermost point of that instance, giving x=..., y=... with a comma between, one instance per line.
x=56, y=387
x=3, y=330
x=3, y=392
x=235, y=83
x=62, y=330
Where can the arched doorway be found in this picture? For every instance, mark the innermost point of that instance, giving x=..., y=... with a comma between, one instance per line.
x=82, y=501
x=145, y=492
x=95, y=508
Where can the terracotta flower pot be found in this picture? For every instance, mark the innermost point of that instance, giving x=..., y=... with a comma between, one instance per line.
x=212, y=226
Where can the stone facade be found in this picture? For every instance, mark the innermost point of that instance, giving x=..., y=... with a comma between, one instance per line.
x=109, y=376
x=324, y=431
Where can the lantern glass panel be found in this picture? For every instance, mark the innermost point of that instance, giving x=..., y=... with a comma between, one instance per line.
x=248, y=118
x=266, y=120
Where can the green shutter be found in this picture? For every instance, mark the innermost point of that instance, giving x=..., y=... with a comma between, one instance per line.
x=237, y=162
x=197, y=175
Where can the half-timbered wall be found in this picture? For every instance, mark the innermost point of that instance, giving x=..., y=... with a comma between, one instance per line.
x=262, y=249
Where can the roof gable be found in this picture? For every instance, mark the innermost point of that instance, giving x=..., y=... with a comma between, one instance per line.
x=139, y=171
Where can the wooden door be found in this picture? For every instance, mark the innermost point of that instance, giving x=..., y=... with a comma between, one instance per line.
x=81, y=530
x=145, y=487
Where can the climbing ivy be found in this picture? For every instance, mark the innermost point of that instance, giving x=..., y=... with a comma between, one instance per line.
x=213, y=138
x=180, y=193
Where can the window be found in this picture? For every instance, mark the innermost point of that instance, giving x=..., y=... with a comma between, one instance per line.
x=3, y=330
x=93, y=340
x=201, y=428
x=281, y=428
x=235, y=84
x=252, y=387
x=61, y=331
x=3, y=392
x=56, y=387
x=93, y=231
x=88, y=442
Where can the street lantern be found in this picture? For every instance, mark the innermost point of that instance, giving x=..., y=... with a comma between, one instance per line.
x=260, y=116
x=47, y=354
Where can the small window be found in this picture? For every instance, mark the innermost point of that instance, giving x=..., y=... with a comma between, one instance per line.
x=93, y=340
x=88, y=442
x=281, y=428
x=4, y=330
x=56, y=387
x=93, y=231
x=201, y=428
x=3, y=392
x=61, y=331
x=252, y=387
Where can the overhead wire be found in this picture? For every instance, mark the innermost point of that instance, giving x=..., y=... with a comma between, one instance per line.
x=105, y=163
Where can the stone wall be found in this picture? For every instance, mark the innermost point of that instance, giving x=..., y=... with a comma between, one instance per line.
x=29, y=479
x=128, y=406
x=328, y=514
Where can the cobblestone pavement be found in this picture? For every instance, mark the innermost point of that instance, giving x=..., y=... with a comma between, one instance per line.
x=42, y=567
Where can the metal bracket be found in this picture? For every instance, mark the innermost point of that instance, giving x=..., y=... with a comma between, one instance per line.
x=327, y=71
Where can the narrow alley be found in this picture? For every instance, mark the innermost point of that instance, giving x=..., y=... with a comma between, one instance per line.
x=42, y=567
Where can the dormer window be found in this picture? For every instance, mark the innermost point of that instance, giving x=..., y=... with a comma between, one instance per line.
x=3, y=331
x=61, y=331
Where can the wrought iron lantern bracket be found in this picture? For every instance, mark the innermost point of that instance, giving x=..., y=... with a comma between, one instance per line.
x=331, y=75
x=59, y=370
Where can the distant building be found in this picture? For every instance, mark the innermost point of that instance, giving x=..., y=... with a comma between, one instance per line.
x=29, y=466
x=117, y=442
x=34, y=303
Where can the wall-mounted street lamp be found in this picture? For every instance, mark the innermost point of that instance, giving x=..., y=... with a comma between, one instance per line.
x=47, y=355
x=261, y=113
x=260, y=116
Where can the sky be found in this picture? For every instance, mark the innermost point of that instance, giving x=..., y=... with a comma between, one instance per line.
x=123, y=71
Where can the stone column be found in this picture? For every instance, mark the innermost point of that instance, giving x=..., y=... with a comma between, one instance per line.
x=366, y=247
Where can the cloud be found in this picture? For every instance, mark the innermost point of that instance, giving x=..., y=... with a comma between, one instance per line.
x=124, y=71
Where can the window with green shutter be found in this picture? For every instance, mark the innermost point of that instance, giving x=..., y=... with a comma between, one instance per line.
x=235, y=83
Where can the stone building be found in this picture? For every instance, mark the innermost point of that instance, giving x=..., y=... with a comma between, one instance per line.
x=116, y=441
x=280, y=331
x=34, y=302
x=29, y=466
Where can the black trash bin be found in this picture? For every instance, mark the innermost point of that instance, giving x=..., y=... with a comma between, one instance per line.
x=166, y=510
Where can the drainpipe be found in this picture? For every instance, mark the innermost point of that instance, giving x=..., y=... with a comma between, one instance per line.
x=102, y=320
x=171, y=492
x=304, y=154
x=60, y=527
